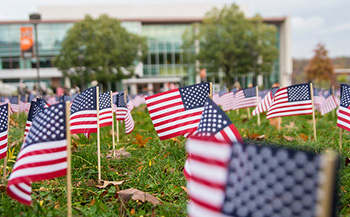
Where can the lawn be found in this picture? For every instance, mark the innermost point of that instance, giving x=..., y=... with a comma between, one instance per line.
x=156, y=167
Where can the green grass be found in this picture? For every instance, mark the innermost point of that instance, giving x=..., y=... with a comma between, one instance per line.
x=157, y=168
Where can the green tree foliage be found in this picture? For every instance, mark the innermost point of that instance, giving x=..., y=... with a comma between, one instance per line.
x=320, y=68
x=229, y=40
x=99, y=49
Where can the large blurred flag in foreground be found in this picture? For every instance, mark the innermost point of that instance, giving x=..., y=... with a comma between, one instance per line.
x=254, y=180
x=344, y=110
x=290, y=101
x=44, y=154
x=177, y=112
x=264, y=104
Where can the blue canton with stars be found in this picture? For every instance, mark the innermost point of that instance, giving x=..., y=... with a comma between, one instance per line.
x=48, y=125
x=194, y=96
x=120, y=101
x=104, y=100
x=344, y=95
x=213, y=120
x=299, y=92
x=326, y=94
x=274, y=90
x=316, y=92
x=249, y=92
x=41, y=102
x=86, y=100
x=3, y=117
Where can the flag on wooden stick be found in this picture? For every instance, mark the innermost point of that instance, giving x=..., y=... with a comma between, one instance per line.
x=290, y=101
x=44, y=154
x=329, y=103
x=344, y=110
x=3, y=130
x=246, y=98
x=177, y=112
x=264, y=104
x=227, y=101
x=254, y=180
x=106, y=113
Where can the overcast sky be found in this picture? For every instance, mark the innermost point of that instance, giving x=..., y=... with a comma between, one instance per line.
x=313, y=21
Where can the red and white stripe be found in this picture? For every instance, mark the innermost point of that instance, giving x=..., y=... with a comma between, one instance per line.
x=343, y=118
x=138, y=100
x=129, y=123
x=263, y=104
x=209, y=159
x=281, y=107
x=169, y=116
x=120, y=113
x=242, y=102
x=130, y=105
x=83, y=122
x=227, y=101
x=318, y=102
x=3, y=144
x=34, y=163
x=328, y=105
x=26, y=130
x=106, y=117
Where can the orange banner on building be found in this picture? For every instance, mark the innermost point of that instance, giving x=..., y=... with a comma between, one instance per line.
x=26, y=42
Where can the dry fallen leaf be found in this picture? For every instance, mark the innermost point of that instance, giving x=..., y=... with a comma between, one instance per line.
x=275, y=122
x=255, y=136
x=2, y=187
x=106, y=183
x=140, y=141
x=120, y=153
x=289, y=138
x=291, y=125
x=134, y=194
x=184, y=188
x=303, y=137
x=132, y=212
x=92, y=202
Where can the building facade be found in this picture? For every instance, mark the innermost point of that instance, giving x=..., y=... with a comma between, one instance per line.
x=163, y=25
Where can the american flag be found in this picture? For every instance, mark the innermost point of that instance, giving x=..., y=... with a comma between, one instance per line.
x=344, y=109
x=105, y=109
x=121, y=107
x=65, y=98
x=3, y=130
x=177, y=112
x=138, y=100
x=15, y=107
x=83, y=118
x=245, y=98
x=255, y=180
x=35, y=108
x=129, y=123
x=290, y=101
x=227, y=101
x=42, y=103
x=329, y=103
x=318, y=99
x=266, y=102
x=43, y=156
x=214, y=123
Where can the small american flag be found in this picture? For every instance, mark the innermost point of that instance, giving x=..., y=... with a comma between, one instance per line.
x=105, y=109
x=344, y=109
x=177, y=112
x=43, y=156
x=138, y=100
x=264, y=105
x=227, y=101
x=129, y=123
x=64, y=98
x=254, y=180
x=42, y=103
x=290, y=101
x=3, y=130
x=246, y=98
x=83, y=118
x=35, y=108
x=318, y=99
x=121, y=107
x=329, y=103
x=214, y=123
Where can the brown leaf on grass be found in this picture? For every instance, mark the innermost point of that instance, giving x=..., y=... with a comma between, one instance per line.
x=74, y=146
x=106, y=183
x=132, y=212
x=255, y=136
x=303, y=137
x=291, y=125
x=175, y=140
x=134, y=194
x=103, y=193
x=13, y=123
x=2, y=187
x=289, y=138
x=275, y=122
x=140, y=141
x=120, y=153
x=92, y=202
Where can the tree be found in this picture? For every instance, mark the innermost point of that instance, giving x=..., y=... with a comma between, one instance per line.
x=320, y=68
x=99, y=49
x=227, y=39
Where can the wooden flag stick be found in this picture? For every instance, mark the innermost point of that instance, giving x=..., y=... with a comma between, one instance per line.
x=210, y=90
x=333, y=112
x=313, y=110
x=257, y=100
x=248, y=111
x=279, y=123
x=19, y=99
x=237, y=111
x=112, y=125
x=98, y=135
x=8, y=124
x=69, y=166
x=340, y=138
